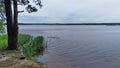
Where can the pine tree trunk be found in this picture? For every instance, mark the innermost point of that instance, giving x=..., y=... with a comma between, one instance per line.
x=15, y=26
x=12, y=24
x=8, y=10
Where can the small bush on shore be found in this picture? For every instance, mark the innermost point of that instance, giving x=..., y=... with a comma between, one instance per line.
x=1, y=26
x=23, y=39
x=38, y=44
x=28, y=50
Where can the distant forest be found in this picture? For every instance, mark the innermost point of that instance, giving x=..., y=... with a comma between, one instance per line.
x=68, y=23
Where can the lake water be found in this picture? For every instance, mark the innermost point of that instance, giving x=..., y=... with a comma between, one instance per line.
x=79, y=46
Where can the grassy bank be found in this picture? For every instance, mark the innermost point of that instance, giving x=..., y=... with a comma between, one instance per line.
x=28, y=45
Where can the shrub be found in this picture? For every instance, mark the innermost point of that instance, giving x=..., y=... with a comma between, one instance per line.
x=1, y=27
x=28, y=50
x=24, y=42
x=23, y=39
x=33, y=47
x=37, y=44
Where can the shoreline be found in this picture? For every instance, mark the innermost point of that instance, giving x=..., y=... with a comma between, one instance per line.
x=67, y=24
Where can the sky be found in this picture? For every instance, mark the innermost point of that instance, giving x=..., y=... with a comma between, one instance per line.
x=74, y=11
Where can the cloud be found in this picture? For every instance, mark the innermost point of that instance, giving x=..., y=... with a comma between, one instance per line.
x=80, y=11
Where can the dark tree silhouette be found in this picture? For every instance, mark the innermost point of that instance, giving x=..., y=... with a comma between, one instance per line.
x=12, y=18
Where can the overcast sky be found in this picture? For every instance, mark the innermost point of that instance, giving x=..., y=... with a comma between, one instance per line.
x=75, y=11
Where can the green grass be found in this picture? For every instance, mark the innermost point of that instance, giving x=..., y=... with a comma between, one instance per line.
x=3, y=42
x=23, y=39
x=28, y=44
